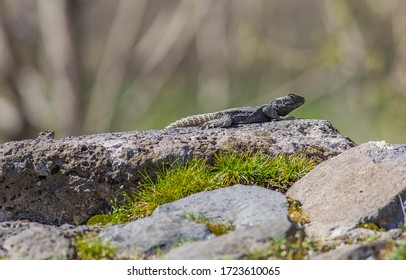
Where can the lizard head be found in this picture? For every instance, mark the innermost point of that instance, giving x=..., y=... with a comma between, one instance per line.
x=286, y=104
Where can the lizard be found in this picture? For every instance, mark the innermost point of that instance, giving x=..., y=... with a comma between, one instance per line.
x=46, y=134
x=276, y=110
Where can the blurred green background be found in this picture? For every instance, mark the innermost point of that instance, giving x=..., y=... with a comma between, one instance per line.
x=91, y=66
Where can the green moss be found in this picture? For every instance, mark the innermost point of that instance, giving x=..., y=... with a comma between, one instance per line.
x=399, y=253
x=371, y=226
x=98, y=220
x=90, y=247
x=215, y=227
x=226, y=169
x=295, y=212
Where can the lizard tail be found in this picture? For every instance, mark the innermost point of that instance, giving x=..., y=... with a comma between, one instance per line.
x=195, y=120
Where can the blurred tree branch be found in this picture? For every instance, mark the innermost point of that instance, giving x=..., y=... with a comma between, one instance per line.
x=112, y=69
x=160, y=51
x=9, y=75
x=100, y=65
x=61, y=64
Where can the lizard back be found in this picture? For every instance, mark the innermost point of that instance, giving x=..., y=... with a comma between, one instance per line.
x=200, y=119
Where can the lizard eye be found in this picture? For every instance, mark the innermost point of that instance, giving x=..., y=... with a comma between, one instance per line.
x=291, y=95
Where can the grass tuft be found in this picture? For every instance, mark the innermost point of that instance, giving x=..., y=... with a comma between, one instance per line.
x=277, y=172
x=170, y=184
x=228, y=168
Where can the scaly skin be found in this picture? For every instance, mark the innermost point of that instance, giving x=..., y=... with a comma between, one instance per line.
x=277, y=109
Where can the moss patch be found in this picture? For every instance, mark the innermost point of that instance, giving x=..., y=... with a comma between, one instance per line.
x=371, y=226
x=90, y=247
x=296, y=247
x=215, y=227
x=98, y=220
x=295, y=212
x=399, y=253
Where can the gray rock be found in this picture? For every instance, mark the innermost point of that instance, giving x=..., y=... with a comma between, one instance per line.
x=72, y=231
x=167, y=227
x=3, y=216
x=153, y=234
x=33, y=241
x=239, y=204
x=358, y=235
x=12, y=232
x=8, y=229
x=370, y=251
x=71, y=179
x=361, y=185
x=233, y=245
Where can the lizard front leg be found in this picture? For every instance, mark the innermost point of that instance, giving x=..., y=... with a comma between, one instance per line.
x=272, y=113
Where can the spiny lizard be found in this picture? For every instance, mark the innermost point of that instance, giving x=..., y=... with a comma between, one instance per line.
x=46, y=134
x=277, y=109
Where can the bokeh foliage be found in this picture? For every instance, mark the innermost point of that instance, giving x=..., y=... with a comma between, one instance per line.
x=98, y=65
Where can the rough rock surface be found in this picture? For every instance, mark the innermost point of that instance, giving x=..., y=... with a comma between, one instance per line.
x=33, y=241
x=152, y=234
x=233, y=204
x=358, y=235
x=70, y=179
x=168, y=227
x=233, y=245
x=361, y=185
x=370, y=251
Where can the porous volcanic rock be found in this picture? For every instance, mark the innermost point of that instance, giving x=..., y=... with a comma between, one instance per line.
x=71, y=179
